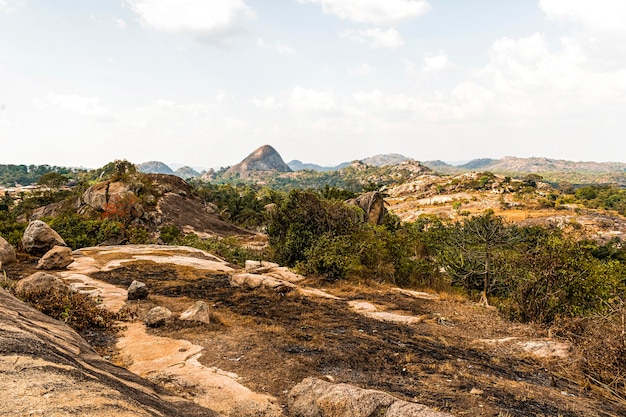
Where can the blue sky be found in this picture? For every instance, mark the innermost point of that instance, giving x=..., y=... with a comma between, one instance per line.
x=203, y=83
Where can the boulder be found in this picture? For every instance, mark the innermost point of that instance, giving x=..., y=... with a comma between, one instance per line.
x=157, y=316
x=58, y=257
x=40, y=282
x=7, y=252
x=317, y=398
x=39, y=238
x=97, y=196
x=373, y=204
x=200, y=312
x=137, y=291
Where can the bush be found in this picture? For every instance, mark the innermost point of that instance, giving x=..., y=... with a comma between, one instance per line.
x=79, y=232
x=78, y=310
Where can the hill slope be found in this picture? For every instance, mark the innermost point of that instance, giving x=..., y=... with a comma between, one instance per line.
x=264, y=158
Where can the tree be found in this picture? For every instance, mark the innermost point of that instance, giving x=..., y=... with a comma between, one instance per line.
x=470, y=255
x=53, y=180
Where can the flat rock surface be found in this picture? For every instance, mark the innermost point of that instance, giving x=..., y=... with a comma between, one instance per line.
x=47, y=369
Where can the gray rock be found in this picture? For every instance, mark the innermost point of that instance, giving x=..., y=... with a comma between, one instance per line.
x=39, y=238
x=58, y=257
x=137, y=291
x=200, y=312
x=317, y=398
x=40, y=282
x=157, y=317
x=7, y=252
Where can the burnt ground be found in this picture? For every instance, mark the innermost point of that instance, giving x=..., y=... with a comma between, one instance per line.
x=273, y=341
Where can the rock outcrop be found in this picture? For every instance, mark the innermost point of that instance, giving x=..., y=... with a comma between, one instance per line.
x=49, y=370
x=263, y=159
x=7, y=252
x=97, y=196
x=316, y=398
x=373, y=204
x=58, y=257
x=39, y=238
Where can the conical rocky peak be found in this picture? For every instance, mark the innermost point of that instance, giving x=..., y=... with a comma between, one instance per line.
x=264, y=158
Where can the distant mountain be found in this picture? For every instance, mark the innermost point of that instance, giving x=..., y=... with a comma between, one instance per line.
x=265, y=158
x=300, y=166
x=373, y=161
x=186, y=172
x=385, y=159
x=476, y=164
x=535, y=164
x=154, y=167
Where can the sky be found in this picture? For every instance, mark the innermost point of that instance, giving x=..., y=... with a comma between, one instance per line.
x=205, y=82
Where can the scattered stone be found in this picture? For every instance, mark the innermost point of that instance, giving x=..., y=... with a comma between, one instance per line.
x=476, y=391
x=200, y=312
x=316, y=398
x=256, y=281
x=39, y=238
x=137, y=291
x=58, y=257
x=7, y=252
x=255, y=265
x=157, y=317
x=38, y=283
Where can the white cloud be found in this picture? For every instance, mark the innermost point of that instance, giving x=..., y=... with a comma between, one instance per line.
x=268, y=102
x=276, y=47
x=375, y=38
x=598, y=15
x=361, y=70
x=82, y=106
x=373, y=11
x=10, y=5
x=204, y=21
x=436, y=62
x=309, y=99
x=120, y=23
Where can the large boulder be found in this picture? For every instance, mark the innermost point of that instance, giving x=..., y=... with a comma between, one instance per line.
x=39, y=238
x=97, y=196
x=317, y=398
x=7, y=252
x=58, y=257
x=373, y=204
x=38, y=283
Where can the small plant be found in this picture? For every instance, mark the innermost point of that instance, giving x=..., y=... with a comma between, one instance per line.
x=78, y=310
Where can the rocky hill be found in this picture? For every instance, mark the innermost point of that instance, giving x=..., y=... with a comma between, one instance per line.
x=264, y=159
x=553, y=170
x=154, y=167
x=186, y=172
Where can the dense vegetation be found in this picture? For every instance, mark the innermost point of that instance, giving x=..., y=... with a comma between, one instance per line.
x=11, y=175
